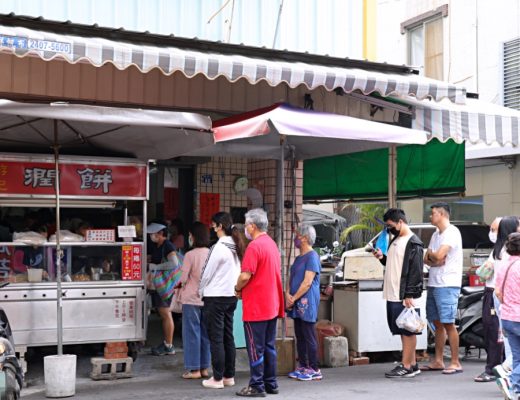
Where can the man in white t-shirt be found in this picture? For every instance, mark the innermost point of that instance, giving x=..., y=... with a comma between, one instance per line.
x=444, y=256
x=403, y=282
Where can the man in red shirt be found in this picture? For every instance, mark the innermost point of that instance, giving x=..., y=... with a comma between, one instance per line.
x=260, y=286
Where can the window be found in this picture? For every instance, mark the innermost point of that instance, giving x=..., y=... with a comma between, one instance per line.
x=512, y=74
x=426, y=42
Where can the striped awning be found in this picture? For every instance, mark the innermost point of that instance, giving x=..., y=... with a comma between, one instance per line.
x=99, y=51
x=474, y=122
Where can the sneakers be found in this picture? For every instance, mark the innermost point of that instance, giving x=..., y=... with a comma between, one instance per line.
x=211, y=383
x=229, y=381
x=505, y=387
x=296, y=373
x=401, y=372
x=250, y=391
x=163, y=350
x=310, y=375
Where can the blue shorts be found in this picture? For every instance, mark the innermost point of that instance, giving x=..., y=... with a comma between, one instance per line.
x=441, y=304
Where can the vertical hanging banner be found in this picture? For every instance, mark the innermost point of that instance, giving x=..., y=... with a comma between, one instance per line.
x=209, y=205
x=131, y=262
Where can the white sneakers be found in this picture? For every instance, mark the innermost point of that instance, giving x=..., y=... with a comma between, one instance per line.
x=211, y=383
x=229, y=381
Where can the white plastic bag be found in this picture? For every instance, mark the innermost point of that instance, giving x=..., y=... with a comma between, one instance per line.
x=410, y=320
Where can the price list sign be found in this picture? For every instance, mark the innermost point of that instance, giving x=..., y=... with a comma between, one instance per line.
x=131, y=263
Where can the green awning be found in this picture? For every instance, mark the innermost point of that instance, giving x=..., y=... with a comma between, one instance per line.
x=422, y=170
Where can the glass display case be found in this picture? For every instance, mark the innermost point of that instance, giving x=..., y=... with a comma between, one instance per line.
x=103, y=293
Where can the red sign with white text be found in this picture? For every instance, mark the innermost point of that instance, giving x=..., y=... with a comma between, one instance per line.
x=38, y=178
x=131, y=263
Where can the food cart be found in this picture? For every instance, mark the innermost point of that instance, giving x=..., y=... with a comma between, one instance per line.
x=103, y=284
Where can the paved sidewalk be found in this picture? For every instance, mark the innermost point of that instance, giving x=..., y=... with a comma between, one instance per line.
x=159, y=378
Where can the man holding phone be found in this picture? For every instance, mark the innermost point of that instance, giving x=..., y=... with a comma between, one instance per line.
x=403, y=282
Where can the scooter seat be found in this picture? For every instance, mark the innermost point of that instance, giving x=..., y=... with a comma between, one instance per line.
x=466, y=290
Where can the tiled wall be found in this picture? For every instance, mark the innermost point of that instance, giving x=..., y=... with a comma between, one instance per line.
x=262, y=176
x=222, y=171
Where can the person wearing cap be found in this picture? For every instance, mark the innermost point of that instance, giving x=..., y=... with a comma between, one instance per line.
x=163, y=257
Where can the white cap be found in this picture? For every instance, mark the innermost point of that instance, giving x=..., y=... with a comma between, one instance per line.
x=154, y=227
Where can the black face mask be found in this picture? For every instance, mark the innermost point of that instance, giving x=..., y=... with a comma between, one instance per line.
x=394, y=231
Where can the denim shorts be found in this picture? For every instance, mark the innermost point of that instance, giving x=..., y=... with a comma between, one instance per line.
x=441, y=304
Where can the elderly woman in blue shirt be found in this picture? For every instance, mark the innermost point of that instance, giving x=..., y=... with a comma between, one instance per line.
x=302, y=301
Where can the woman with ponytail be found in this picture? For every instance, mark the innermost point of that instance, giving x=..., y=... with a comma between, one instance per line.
x=217, y=290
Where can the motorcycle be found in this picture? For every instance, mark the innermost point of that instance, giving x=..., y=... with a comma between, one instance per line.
x=469, y=318
x=10, y=366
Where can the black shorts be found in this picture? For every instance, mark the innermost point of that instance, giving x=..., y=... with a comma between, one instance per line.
x=393, y=309
x=158, y=302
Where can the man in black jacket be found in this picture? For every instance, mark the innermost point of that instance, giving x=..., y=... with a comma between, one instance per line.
x=403, y=283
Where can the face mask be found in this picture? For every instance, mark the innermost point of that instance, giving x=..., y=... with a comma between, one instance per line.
x=190, y=241
x=154, y=238
x=297, y=242
x=492, y=237
x=394, y=231
x=248, y=236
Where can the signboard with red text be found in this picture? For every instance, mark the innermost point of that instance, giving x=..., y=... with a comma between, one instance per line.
x=85, y=180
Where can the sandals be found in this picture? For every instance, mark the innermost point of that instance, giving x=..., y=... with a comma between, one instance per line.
x=192, y=375
x=204, y=373
x=484, y=377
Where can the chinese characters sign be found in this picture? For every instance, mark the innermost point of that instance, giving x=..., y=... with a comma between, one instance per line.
x=209, y=205
x=131, y=263
x=124, y=310
x=37, y=178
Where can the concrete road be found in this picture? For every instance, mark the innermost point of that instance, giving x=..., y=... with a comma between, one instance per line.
x=159, y=378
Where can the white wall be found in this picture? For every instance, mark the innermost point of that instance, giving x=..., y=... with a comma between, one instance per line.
x=474, y=32
x=471, y=25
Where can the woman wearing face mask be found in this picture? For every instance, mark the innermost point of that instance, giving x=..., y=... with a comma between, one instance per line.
x=499, y=231
x=194, y=336
x=163, y=257
x=302, y=299
x=217, y=290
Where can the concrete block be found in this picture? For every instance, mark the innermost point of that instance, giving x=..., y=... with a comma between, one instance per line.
x=335, y=351
x=60, y=375
x=286, y=355
x=115, y=368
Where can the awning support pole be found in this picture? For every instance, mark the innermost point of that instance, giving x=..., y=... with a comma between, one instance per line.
x=392, y=176
x=58, y=244
x=280, y=217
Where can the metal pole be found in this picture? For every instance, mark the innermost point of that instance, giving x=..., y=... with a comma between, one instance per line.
x=58, y=245
x=392, y=176
x=280, y=216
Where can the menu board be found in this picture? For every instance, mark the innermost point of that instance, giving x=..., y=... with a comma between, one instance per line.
x=101, y=235
x=209, y=206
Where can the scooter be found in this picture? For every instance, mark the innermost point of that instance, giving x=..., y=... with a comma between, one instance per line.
x=469, y=318
x=10, y=368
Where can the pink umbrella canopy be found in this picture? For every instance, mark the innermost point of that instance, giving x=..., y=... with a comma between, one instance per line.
x=312, y=134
